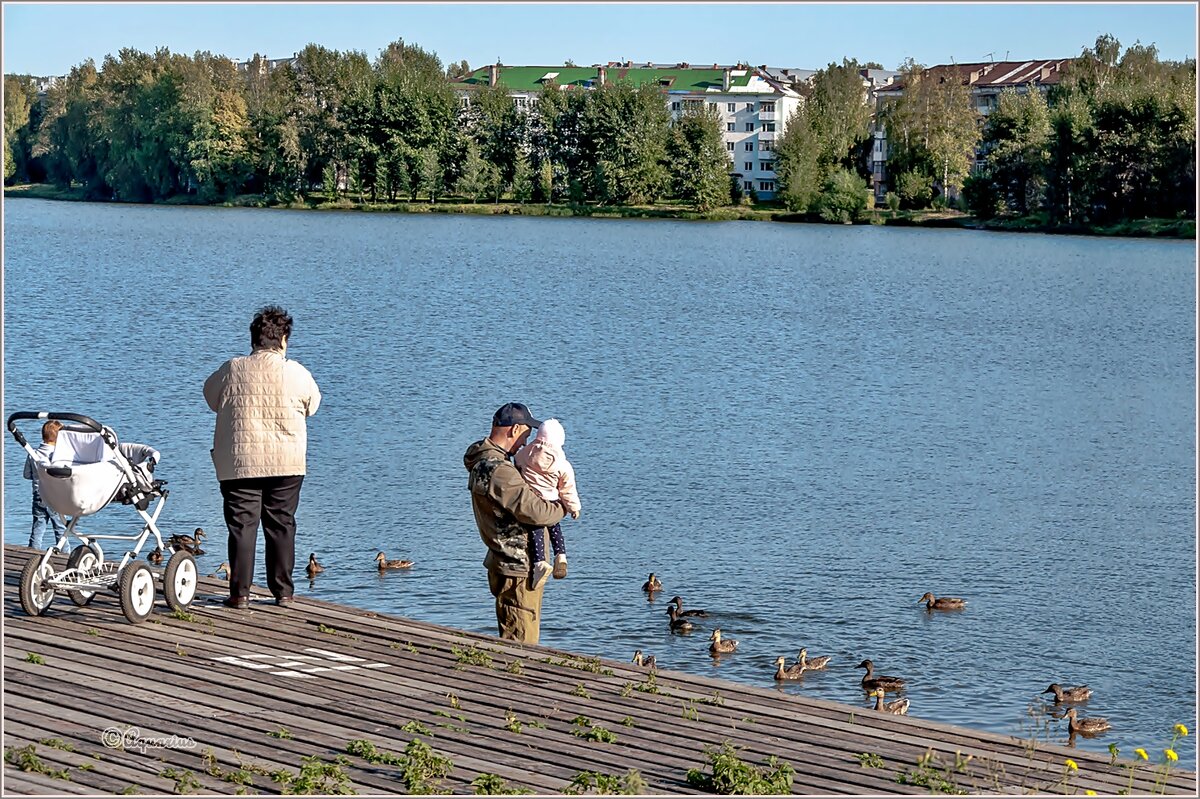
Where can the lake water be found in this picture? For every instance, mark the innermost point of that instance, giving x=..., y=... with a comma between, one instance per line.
x=801, y=428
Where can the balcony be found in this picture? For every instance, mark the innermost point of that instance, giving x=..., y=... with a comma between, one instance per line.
x=767, y=116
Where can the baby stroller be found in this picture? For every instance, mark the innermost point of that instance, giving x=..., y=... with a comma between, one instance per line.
x=88, y=470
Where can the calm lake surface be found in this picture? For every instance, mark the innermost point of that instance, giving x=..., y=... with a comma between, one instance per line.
x=800, y=428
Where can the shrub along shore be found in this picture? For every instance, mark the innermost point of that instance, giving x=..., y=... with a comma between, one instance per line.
x=763, y=212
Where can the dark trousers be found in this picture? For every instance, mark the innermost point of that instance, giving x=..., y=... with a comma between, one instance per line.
x=556, y=541
x=274, y=501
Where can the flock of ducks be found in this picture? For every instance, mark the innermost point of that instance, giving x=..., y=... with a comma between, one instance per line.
x=873, y=685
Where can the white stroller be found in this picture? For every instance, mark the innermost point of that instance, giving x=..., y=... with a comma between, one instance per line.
x=87, y=470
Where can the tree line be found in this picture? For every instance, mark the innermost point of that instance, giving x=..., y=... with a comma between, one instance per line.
x=1114, y=139
x=147, y=127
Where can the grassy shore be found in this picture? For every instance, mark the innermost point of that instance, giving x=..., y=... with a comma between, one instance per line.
x=763, y=212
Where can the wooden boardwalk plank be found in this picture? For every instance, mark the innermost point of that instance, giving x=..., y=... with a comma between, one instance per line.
x=229, y=678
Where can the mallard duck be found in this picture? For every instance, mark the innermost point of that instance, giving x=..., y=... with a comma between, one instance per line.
x=224, y=567
x=1078, y=693
x=816, y=664
x=191, y=543
x=155, y=557
x=942, y=603
x=870, y=682
x=897, y=707
x=313, y=568
x=1088, y=726
x=646, y=661
x=679, y=606
x=652, y=585
x=793, y=672
x=719, y=647
x=678, y=624
x=385, y=564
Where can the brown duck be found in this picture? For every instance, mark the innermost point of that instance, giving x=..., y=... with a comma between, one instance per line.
x=385, y=564
x=898, y=707
x=1089, y=726
x=652, y=585
x=942, y=603
x=646, y=661
x=870, y=682
x=793, y=672
x=721, y=647
x=1078, y=693
x=678, y=624
x=815, y=664
x=313, y=568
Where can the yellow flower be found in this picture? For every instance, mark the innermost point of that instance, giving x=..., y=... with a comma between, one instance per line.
x=1170, y=753
x=1090, y=792
x=1141, y=753
x=1071, y=764
x=1180, y=729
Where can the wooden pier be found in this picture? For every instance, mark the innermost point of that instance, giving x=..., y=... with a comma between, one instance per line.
x=325, y=698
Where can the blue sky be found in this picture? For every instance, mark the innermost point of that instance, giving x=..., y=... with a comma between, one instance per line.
x=50, y=38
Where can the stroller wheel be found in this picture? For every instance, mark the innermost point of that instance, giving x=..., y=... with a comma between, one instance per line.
x=82, y=558
x=35, y=597
x=179, y=581
x=137, y=591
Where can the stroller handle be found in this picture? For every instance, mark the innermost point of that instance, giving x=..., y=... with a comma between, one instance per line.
x=86, y=421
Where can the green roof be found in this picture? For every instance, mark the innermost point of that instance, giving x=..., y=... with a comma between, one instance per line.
x=529, y=79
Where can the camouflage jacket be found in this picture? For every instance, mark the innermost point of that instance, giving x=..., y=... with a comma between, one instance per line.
x=505, y=508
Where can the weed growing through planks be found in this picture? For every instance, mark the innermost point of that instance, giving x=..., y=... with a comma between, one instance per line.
x=25, y=758
x=180, y=651
x=731, y=775
x=86, y=767
x=367, y=751
x=129, y=790
x=515, y=667
x=471, y=656
x=928, y=775
x=423, y=769
x=511, y=723
x=581, y=690
x=315, y=776
x=629, y=783
x=592, y=732
x=716, y=699
x=93, y=632
x=416, y=728
x=627, y=721
x=321, y=628
x=184, y=615
x=34, y=657
x=869, y=760
x=690, y=712
x=650, y=686
x=581, y=663
x=627, y=690
x=57, y=743
x=453, y=698
x=283, y=733
x=489, y=784
x=185, y=780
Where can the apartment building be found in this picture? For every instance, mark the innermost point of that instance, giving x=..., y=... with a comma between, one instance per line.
x=986, y=81
x=753, y=105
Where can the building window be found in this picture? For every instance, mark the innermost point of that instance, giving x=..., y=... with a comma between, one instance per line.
x=768, y=107
x=675, y=106
x=766, y=146
x=766, y=185
x=749, y=127
x=749, y=166
x=732, y=107
x=749, y=185
x=749, y=146
x=769, y=126
x=729, y=146
x=766, y=166
x=713, y=106
x=749, y=106
x=731, y=126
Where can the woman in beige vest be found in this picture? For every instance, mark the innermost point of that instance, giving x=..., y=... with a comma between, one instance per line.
x=259, y=446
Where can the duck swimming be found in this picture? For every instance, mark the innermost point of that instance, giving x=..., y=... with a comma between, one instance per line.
x=646, y=661
x=678, y=625
x=679, y=607
x=224, y=567
x=870, y=682
x=652, y=585
x=1088, y=726
x=385, y=564
x=191, y=543
x=313, y=568
x=793, y=672
x=816, y=664
x=719, y=647
x=942, y=603
x=898, y=707
x=1078, y=693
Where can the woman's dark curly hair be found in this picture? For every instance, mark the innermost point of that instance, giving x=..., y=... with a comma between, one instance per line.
x=269, y=327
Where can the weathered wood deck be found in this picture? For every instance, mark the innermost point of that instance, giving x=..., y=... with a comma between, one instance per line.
x=260, y=689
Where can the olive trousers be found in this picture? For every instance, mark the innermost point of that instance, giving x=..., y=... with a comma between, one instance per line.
x=518, y=607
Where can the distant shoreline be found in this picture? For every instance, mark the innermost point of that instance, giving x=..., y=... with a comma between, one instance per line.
x=1141, y=228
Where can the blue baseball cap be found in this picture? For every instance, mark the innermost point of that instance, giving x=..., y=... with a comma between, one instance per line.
x=512, y=413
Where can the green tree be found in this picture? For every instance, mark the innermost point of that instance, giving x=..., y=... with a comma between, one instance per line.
x=798, y=166
x=431, y=173
x=522, y=183
x=1016, y=143
x=698, y=157
x=625, y=130
x=840, y=114
x=844, y=198
x=472, y=182
x=18, y=102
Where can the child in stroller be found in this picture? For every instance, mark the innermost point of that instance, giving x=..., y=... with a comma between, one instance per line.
x=87, y=470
